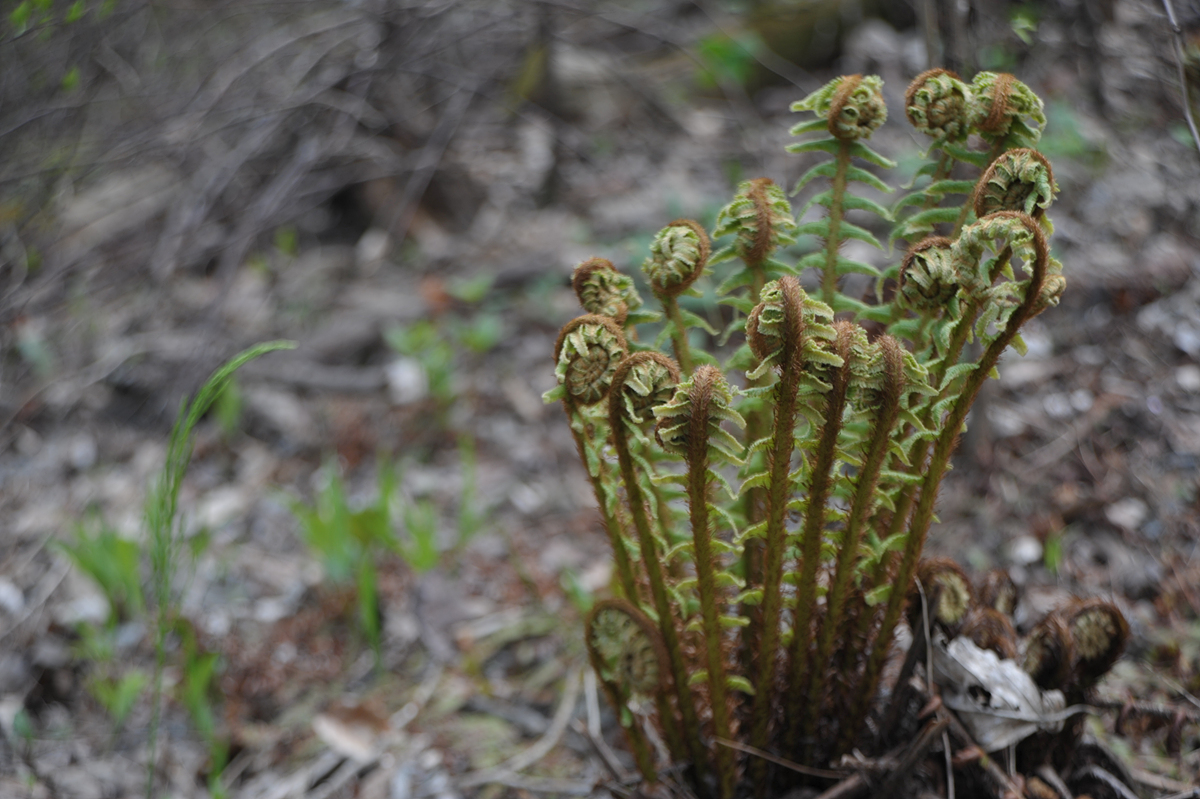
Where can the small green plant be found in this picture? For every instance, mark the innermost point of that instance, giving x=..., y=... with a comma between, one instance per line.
x=348, y=542
x=114, y=563
x=767, y=502
x=439, y=347
x=118, y=695
x=165, y=532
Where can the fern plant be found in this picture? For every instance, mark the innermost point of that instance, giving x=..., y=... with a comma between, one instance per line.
x=767, y=501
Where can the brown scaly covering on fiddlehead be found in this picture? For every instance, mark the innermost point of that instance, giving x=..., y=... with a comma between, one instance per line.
x=628, y=656
x=1049, y=652
x=1019, y=180
x=604, y=291
x=937, y=104
x=1100, y=633
x=988, y=628
x=678, y=256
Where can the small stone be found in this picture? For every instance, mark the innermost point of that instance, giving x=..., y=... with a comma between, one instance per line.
x=12, y=599
x=407, y=381
x=82, y=452
x=1188, y=378
x=1025, y=550
x=1128, y=513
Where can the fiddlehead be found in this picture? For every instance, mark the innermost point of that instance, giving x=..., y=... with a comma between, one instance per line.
x=628, y=656
x=1100, y=632
x=604, y=291
x=1019, y=180
x=937, y=104
x=849, y=109
x=586, y=355
x=678, y=257
x=1005, y=111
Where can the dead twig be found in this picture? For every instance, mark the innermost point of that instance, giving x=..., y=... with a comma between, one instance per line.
x=1177, y=41
x=427, y=164
x=959, y=733
x=506, y=772
x=779, y=761
x=917, y=750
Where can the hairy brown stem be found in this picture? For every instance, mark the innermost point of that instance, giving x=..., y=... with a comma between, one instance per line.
x=829, y=276
x=820, y=484
x=778, y=494
x=698, y=490
x=679, y=341
x=612, y=525
x=864, y=497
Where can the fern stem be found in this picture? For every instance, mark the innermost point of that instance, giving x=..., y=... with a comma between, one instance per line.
x=778, y=493
x=654, y=574
x=830, y=276
x=945, y=164
x=698, y=491
x=612, y=526
x=819, y=487
x=864, y=496
x=997, y=150
x=679, y=339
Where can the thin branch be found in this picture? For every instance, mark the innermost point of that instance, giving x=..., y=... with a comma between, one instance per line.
x=506, y=772
x=1177, y=40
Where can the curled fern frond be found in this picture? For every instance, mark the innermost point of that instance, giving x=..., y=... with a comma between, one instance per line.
x=625, y=648
x=1049, y=652
x=678, y=256
x=586, y=356
x=948, y=591
x=988, y=628
x=770, y=329
x=996, y=589
x=649, y=382
x=1019, y=180
x=761, y=218
x=1006, y=233
x=674, y=428
x=852, y=105
x=1003, y=107
x=928, y=276
x=937, y=104
x=1100, y=633
x=603, y=290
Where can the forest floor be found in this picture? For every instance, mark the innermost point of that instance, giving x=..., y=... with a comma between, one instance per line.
x=1080, y=473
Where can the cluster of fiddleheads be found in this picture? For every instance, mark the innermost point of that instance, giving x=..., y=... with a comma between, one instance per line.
x=768, y=497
